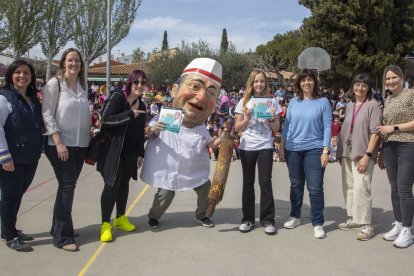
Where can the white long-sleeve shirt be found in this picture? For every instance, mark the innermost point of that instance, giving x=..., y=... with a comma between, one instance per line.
x=66, y=112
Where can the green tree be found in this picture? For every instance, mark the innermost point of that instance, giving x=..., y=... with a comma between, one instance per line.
x=281, y=53
x=138, y=55
x=56, y=29
x=164, y=42
x=236, y=66
x=224, y=45
x=90, y=26
x=4, y=41
x=21, y=24
x=360, y=36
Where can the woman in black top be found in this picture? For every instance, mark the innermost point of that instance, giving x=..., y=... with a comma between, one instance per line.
x=21, y=126
x=123, y=119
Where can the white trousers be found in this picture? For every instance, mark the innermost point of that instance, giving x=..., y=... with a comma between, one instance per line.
x=357, y=190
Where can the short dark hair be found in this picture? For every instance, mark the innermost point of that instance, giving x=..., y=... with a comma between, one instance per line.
x=365, y=79
x=305, y=73
x=8, y=76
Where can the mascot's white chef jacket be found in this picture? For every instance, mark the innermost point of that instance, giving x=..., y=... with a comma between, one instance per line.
x=177, y=162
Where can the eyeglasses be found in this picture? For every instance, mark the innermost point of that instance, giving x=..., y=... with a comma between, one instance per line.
x=137, y=82
x=197, y=86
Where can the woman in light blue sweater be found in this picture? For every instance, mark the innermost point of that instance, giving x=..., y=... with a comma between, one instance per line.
x=306, y=138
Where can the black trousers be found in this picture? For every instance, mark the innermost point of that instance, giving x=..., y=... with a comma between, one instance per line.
x=67, y=174
x=118, y=193
x=264, y=161
x=13, y=185
x=399, y=164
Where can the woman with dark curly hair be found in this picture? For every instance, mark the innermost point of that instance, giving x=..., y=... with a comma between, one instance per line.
x=306, y=140
x=20, y=146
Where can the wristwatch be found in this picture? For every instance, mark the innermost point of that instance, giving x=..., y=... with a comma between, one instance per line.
x=369, y=154
x=396, y=128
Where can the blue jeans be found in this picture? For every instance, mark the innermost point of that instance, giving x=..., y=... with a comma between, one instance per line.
x=306, y=166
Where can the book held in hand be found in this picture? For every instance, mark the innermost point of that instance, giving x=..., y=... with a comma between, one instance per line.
x=262, y=107
x=172, y=117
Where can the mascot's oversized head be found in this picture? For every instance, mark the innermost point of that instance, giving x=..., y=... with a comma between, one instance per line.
x=197, y=90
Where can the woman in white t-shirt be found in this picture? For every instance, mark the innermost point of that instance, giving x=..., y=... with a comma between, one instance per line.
x=256, y=147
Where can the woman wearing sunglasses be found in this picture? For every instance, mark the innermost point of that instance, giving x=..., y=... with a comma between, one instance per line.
x=123, y=118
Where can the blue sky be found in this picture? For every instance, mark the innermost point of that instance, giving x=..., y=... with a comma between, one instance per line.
x=248, y=23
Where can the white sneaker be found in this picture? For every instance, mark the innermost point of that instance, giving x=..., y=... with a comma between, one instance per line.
x=404, y=239
x=394, y=232
x=318, y=232
x=292, y=223
x=246, y=226
x=270, y=229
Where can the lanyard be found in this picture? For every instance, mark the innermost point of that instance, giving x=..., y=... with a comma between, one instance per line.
x=354, y=114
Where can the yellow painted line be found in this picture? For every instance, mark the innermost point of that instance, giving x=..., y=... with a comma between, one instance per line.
x=136, y=200
x=102, y=246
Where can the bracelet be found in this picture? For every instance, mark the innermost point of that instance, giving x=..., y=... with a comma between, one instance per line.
x=369, y=154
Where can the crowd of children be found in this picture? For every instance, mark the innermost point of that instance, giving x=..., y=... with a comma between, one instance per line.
x=155, y=98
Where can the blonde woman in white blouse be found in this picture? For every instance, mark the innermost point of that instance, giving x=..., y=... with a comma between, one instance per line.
x=67, y=119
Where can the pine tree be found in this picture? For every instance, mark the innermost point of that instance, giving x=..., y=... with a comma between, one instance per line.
x=164, y=42
x=224, y=42
x=360, y=36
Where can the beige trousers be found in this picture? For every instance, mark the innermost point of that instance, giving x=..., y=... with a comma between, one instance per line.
x=357, y=190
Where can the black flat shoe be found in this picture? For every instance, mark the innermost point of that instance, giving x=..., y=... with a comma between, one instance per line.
x=19, y=245
x=23, y=236
x=75, y=234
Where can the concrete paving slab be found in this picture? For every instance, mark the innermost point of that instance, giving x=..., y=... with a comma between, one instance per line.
x=182, y=247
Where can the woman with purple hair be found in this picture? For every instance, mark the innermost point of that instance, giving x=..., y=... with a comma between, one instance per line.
x=123, y=119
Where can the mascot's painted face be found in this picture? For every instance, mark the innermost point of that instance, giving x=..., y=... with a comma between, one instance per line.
x=197, y=96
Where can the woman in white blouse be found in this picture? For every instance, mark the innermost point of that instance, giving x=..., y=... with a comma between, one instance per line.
x=67, y=120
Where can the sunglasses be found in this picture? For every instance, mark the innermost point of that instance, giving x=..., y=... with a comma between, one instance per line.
x=136, y=82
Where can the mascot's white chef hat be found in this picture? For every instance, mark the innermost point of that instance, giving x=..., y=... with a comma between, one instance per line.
x=206, y=67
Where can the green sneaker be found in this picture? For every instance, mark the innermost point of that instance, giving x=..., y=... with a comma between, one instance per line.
x=124, y=224
x=106, y=232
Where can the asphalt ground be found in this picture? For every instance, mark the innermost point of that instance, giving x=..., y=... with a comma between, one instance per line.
x=182, y=247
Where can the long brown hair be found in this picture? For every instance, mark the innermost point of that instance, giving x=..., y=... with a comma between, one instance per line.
x=61, y=73
x=305, y=73
x=249, y=86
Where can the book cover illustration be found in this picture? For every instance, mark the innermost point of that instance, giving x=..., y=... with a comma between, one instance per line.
x=262, y=107
x=172, y=117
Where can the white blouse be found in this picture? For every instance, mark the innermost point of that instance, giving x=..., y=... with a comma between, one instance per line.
x=66, y=112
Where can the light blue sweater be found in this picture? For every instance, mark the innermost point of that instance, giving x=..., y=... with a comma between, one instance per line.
x=308, y=124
